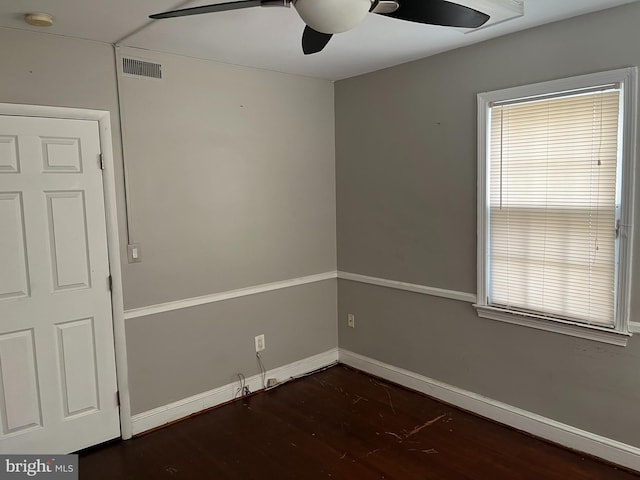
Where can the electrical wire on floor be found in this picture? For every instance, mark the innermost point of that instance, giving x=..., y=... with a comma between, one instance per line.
x=263, y=372
x=243, y=389
x=297, y=377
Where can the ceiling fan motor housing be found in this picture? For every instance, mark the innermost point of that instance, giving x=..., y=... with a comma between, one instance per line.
x=332, y=16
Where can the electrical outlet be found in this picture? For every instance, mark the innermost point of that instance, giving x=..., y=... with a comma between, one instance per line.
x=260, y=345
x=351, y=320
x=272, y=382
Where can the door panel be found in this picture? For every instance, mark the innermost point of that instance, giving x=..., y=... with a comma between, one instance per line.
x=57, y=361
x=14, y=282
x=20, y=396
x=68, y=240
x=9, y=154
x=76, y=346
x=61, y=155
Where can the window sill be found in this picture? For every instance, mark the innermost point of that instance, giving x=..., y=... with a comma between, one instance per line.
x=589, y=332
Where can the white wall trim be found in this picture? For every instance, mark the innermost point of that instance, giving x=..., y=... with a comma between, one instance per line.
x=546, y=428
x=109, y=185
x=197, y=403
x=409, y=287
x=590, y=332
x=221, y=296
x=293, y=282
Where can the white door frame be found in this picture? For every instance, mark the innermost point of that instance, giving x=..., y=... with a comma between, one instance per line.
x=109, y=186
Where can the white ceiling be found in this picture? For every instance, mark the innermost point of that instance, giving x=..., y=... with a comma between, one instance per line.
x=269, y=38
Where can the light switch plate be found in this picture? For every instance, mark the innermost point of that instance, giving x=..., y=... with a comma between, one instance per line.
x=134, y=253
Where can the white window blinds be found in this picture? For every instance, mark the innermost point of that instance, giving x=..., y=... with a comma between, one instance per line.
x=552, y=206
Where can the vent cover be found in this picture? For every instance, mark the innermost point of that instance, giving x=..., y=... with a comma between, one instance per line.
x=140, y=68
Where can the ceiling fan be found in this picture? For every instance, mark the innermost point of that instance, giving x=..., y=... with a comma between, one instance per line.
x=323, y=18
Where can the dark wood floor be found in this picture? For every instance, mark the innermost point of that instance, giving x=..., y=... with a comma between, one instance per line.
x=339, y=424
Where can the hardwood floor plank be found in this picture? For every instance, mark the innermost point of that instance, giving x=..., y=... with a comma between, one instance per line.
x=340, y=424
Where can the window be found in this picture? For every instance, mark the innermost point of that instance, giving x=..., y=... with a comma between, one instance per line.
x=555, y=196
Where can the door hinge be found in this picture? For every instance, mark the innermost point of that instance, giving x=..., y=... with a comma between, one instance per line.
x=118, y=398
x=109, y=282
x=101, y=161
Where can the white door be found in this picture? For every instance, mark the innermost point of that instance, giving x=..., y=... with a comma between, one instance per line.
x=57, y=362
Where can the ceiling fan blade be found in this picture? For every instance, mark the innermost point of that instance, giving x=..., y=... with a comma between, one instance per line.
x=312, y=41
x=216, y=7
x=438, y=12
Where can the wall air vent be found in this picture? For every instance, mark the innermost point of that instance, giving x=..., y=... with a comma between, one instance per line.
x=140, y=68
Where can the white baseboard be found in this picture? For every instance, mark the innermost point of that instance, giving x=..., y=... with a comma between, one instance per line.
x=610, y=450
x=188, y=406
x=542, y=427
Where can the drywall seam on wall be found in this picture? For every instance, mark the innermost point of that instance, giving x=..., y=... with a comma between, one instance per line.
x=543, y=427
x=197, y=403
x=293, y=282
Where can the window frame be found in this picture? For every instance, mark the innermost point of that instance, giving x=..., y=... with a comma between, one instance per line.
x=627, y=79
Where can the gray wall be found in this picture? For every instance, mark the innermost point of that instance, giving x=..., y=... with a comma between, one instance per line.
x=232, y=184
x=406, y=190
x=232, y=178
x=173, y=356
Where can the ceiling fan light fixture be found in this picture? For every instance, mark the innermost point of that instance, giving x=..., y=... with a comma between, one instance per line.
x=324, y=18
x=332, y=16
